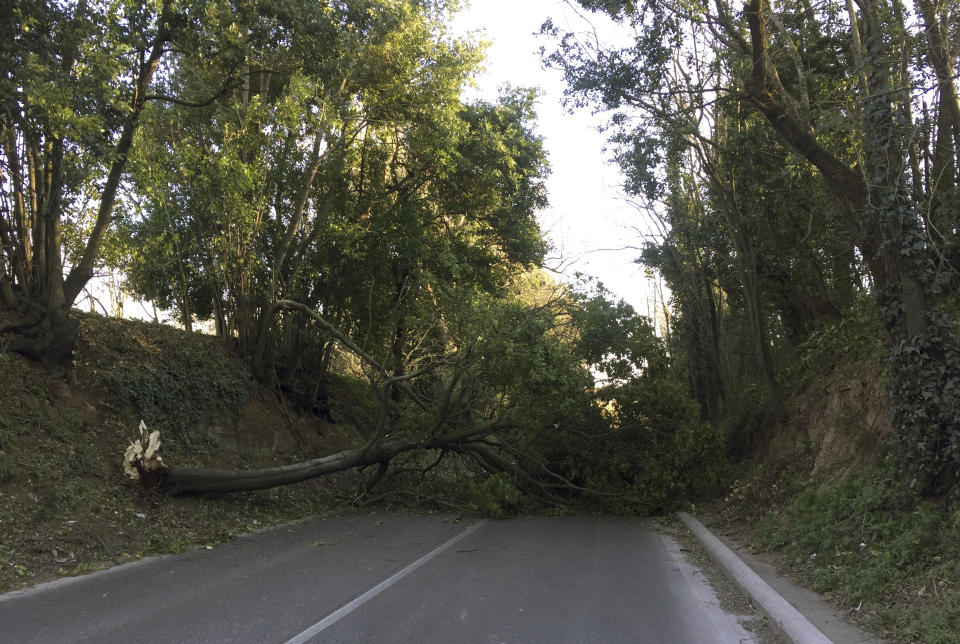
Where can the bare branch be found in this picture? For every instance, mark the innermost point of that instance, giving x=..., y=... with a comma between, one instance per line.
x=185, y=103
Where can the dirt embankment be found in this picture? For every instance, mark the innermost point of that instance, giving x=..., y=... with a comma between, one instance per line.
x=65, y=504
x=834, y=426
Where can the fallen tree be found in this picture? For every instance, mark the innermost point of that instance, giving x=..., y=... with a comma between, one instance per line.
x=142, y=462
x=443, y=429
x=514, y=405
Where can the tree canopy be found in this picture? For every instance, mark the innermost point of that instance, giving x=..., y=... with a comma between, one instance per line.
x=307, y=178
x=801, y=160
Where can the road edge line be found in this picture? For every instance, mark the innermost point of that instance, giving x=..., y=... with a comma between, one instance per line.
x=351, y=606
x=786, y=620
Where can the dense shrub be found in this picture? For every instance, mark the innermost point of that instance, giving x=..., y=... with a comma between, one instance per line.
x=163, y=376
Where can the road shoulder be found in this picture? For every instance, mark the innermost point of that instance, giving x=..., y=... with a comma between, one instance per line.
x=732, y=599
x=798, y=614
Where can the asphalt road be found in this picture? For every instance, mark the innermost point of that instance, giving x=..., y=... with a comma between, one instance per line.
x=387, y=578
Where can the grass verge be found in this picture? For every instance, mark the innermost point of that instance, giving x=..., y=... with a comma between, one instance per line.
x=897, y=572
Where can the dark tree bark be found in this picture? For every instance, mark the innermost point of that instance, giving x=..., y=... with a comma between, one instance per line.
x=188, y=480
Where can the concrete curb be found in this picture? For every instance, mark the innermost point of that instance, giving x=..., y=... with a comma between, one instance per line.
x=786, y=620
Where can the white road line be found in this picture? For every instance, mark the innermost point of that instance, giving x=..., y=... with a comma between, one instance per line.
x=346, y=609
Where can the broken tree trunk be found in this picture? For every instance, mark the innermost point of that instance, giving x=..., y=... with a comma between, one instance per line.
x=184, y=480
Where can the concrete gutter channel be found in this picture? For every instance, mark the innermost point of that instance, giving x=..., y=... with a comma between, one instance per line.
x=757, y=579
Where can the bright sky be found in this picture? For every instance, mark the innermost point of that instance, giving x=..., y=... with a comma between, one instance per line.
x=587, y=211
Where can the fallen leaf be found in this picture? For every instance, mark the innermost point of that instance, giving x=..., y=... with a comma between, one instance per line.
x=61, y=555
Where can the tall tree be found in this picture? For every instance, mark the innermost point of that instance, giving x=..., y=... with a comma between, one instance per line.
x=353, y=183
x=784, y=61
x=76, y=79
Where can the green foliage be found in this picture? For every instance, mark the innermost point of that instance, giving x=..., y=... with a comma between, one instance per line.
x=156, y=545
x=662, y=453
x=926, y=404
x=900, y=565
x=614, y=340
x=851, y=342
x=354, y=179
x=168, y=380
x=78, y=80
x=496, y=497
x=635, y=444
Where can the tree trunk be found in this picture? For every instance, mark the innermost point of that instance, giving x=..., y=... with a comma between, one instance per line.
x=925, y=361
x=188, y=480
x=35, y=321
x=220, y=320
x=726, y=187
x=46, y=335
x=83, y=271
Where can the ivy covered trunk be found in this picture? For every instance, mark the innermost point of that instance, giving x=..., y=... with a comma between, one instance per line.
x=885, y=222
x=925, y=356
